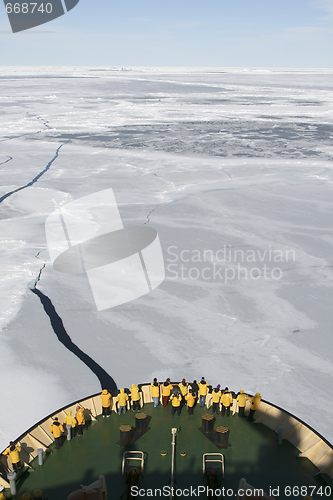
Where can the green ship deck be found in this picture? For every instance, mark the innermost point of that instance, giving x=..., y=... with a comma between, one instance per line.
x=254, y=454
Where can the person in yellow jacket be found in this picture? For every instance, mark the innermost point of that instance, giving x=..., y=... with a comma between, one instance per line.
x=183, y=386
x=166, y=390
x=190, y=399
x=135, y=397
x=226, y=401
x=57, y=430
x=14, y=453
x=70, y=420
x=70, y=423
x=155, y=392
x=175, y=399
x=122, y=399
x=241, y=400
x=106, y=403
x=81, y=421
x=203, y=389
x=216, y=399
x=255, y=400
x=2, y=495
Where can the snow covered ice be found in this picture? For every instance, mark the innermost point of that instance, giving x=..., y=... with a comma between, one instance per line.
x=233, y=168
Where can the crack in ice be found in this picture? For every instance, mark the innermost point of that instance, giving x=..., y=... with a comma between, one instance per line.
x=22, y=135
x=45, y=122
x=104, y=378
x=153, y=210
x=35, y=179
x=39, y=275
x=39, y=252
x=9, y=158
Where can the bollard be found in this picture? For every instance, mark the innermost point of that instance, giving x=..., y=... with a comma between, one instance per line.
x=11, y=476
x=69, y=432
x=280, y=432
x=40, y=456
x=37, y=493
x=141, y=422
x=222, y=435
x=26, y=496
x=125, y=435
x=207, y=423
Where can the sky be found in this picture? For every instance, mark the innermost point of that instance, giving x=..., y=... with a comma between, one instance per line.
x=202, y=33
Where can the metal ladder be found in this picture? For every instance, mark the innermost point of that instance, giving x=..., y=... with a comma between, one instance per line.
x=130, y=455
x=219, y=459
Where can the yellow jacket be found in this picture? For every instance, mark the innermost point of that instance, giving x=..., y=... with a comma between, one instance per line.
x=226, y=399
x=203, y=388
x=155, y=390
x=135, y=393
x=216, y=396
x=190, y=399
x=255, y=401
x=57, y=429
x=70, y=420
x=122, y=398
x=176, y=400
x=241, y=399
x=183, y=388
x=166, y=389
x=2, y=496
x=14, y=452
x=106, y=398
x=80, y=417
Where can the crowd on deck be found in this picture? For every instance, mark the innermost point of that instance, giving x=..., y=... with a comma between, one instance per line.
x=178, y=394
x=190, y=393
x=181, y=394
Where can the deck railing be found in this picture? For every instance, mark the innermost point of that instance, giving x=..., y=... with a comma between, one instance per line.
x=310, y=443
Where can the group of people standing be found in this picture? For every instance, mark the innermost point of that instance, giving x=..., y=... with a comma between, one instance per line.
x=185, y=393
x=122, y=399
x=180, y=394
x=74, y=425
